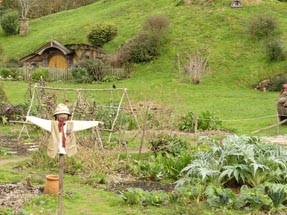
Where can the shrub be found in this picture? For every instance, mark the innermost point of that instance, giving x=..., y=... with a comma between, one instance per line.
x=10, y=23
x=90, y=70
x=156, y=24
x=277, y=82
x=14, y=63
x=10, y=73
x=81, y=75
x=143, y=48
x=101, y=34
x=40, y=72
x=262, y=26
x=274, y=50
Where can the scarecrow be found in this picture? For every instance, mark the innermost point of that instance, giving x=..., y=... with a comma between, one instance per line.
x=62, y=140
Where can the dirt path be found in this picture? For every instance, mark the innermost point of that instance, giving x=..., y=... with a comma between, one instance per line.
x=12, y=160
x=279, y=139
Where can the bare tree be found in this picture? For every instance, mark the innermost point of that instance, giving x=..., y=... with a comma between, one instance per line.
x=25, y=6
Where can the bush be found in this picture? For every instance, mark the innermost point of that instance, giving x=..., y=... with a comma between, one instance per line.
x=10, y=23
x=9, y=73
x=14, y=63
x=262, y=26
x=274, y=50
x=40, y=72
x=101, y=34
x=145, y=46
x=156, y=24
x=277, y=82
x=81, y=75
x=89, y=70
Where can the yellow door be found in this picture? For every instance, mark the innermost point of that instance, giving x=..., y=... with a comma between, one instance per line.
x=58, y=61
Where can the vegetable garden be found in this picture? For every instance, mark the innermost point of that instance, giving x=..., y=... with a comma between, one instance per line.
x=150, y=166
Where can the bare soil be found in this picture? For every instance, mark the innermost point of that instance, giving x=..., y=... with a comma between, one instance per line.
x=14, y=195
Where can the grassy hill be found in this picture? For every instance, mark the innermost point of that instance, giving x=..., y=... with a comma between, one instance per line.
x=236, y=60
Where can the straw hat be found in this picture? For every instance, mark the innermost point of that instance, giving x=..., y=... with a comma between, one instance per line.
x=62, y=109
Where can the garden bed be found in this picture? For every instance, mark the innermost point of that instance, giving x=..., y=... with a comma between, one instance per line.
x=14, y=195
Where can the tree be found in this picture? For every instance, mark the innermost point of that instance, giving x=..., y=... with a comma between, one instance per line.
x=25, y=6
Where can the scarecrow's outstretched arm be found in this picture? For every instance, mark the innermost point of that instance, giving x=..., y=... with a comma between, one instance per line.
x=42, y=123
x=82, y=125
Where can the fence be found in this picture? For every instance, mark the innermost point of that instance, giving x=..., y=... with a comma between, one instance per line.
x=54, y=74
x=60, y=74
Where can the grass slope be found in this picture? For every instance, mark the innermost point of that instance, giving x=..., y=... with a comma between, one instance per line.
x=236, y=61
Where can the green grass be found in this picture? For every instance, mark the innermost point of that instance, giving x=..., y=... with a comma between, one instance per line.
x=234, y=57
x=242, y=110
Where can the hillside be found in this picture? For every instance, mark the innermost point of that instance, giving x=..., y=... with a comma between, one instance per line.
x=236, y=60
x=221, y=30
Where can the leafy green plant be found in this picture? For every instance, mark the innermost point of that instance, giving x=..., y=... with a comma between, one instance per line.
x=10, y=22
x=238, y=160
x=133, y=196
x=166, y=144
x=252, y=198
x=138, y=196
x=278, y=195
x=206, y=121
x=219, y=197
x=195, y=190
x=187, y=122
x=40, y=72
x=161, y=167
x=101, y=34
x=6, y=72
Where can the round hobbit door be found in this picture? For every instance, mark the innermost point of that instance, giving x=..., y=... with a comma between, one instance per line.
x=58, y=61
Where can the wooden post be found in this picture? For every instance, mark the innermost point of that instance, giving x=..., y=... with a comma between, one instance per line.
x=61, y=183
x=277, y=127
x=143, y=131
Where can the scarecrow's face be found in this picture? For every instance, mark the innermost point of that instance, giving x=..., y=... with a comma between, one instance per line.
x=63, y=116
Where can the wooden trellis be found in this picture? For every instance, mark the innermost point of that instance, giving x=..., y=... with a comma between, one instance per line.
x=80, y=106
